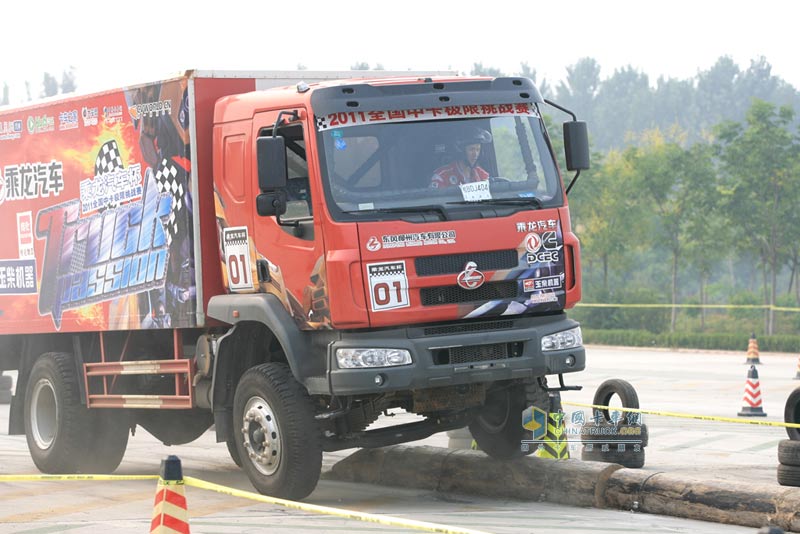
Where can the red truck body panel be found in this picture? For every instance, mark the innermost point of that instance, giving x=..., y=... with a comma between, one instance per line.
x=101, y=209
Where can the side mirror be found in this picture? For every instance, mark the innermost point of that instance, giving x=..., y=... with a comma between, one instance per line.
x=271, y=155
x=271, y=204
x=576, y=145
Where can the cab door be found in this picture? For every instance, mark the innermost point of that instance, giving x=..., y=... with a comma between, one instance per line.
x=289, y=248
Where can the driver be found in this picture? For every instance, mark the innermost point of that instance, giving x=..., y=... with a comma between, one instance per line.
x=465, y=169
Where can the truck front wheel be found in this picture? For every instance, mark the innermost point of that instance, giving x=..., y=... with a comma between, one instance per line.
x=57, y=425
x=497, y=429
x=277, y=437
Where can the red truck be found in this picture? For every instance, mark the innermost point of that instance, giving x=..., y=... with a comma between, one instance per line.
x=285, y=260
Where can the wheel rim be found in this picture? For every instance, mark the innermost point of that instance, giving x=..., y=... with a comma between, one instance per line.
x=44, y=413
x=262, y=439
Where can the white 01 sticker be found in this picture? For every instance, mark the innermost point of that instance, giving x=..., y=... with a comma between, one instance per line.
x=236, y=246
x=388, y=285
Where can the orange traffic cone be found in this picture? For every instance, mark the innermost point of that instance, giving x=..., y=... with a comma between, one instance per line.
x=752, y=352
x=752, y=395
x=169, y=510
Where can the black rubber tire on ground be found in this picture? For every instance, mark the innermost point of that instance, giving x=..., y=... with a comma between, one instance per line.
x=791, y=414
x=230, y=441
x=233, y=451
x=108, y=441
x=789, y=452
x=621, y=388
x=497, y=429
x=57, y=425
x=275, y=416
x=789, y=475
x=176, y=427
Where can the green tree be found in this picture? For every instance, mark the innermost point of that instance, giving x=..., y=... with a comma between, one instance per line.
x=761, y=188
x=666, y=178
x=623, y=108
x=49, y=85
x=361, y=65
x=479, y=70
x=579, y=90
x=609, y=217
x=708, y=233
x=68, y=81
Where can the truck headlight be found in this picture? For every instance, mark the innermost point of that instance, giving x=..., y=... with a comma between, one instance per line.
x=368, y=358
x=567, y=339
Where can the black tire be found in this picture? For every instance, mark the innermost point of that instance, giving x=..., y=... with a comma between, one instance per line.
x=791, y=414
x=622, y=389
x=789, y=475
x=279, y=443
x=108, y=441
x=176, y=427
x=233, y=451
x=230, y=441
x=497, y=429
x=57, y=425
x=789, y=452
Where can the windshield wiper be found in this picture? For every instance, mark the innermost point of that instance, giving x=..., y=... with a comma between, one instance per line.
x=429, y=208
x=521, y=201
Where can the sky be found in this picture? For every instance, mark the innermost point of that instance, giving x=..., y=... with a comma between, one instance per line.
x=113, y=43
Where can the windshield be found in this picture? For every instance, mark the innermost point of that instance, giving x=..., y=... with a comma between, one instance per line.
x=388, y=168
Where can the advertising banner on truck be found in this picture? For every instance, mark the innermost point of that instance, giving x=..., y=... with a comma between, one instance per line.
x=96, y=211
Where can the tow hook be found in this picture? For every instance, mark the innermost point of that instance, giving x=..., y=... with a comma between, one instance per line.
x=561, y=386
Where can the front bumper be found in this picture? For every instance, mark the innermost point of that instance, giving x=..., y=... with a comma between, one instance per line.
x=425, y=343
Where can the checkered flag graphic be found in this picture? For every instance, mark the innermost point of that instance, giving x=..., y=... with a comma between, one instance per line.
x=108, y=158
x=170, y=179
x=322, y=123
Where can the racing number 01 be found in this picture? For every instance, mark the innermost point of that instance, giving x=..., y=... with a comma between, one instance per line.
x=382, y=293
x=235, y=266
x=388, y=285
x=237, y=258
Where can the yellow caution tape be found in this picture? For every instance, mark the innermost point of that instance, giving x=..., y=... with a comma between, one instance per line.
x=686, y=415
x=45, y=478
x=347, y=514
x=202, y=484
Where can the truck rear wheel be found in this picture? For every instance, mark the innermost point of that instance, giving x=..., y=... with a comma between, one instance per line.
x=57, y=425
x=498, y=429
x=108, y=441
x=278, y=439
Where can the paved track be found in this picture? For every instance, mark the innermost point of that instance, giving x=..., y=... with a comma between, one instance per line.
x=704, y=383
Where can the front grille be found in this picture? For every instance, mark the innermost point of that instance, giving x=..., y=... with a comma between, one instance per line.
x=435, y=296
x=477, y=353
x=467, y=328
x=454, y=263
